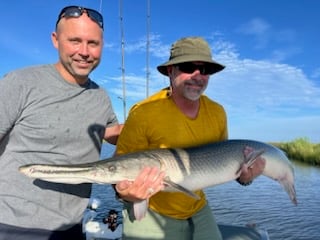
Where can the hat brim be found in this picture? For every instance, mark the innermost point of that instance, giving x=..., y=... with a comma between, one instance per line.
x=216, y=67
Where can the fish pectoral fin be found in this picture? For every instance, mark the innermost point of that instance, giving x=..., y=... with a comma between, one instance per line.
x=181, y=189
x=140, y=209
x=249, y=159
x=253, y=156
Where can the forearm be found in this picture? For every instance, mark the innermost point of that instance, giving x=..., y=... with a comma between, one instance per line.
x=112, y=133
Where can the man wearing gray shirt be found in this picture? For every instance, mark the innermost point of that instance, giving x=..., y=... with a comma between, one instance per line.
x=53, y=114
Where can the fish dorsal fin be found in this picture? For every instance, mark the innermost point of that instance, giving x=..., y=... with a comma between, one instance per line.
x=168, y=182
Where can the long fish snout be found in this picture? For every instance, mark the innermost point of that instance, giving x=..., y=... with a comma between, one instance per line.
x=27, y=170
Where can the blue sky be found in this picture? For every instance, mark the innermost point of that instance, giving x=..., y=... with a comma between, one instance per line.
x=270, y=87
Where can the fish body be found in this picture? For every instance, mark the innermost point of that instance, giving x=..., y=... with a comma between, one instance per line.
x=187, y=169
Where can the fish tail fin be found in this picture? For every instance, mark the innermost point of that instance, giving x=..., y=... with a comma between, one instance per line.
x=290, y=189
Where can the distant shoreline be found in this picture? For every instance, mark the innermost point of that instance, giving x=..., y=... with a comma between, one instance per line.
x=302, y=150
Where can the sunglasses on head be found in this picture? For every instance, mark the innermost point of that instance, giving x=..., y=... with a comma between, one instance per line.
x=75, y=11
x=189, y=67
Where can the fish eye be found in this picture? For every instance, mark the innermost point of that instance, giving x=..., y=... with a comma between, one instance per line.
x=112, y=168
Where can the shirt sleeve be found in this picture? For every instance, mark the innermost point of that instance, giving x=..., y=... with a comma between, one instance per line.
x=133, y=136
x=11, y=102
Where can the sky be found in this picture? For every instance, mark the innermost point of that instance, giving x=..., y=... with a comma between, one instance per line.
x=270, y=87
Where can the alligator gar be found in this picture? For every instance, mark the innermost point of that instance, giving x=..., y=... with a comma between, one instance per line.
x=187, y=169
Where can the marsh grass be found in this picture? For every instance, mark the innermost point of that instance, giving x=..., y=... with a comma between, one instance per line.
x=301, y=149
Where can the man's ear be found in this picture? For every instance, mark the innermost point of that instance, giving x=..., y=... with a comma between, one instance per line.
x=170, y=70
x=54, y=39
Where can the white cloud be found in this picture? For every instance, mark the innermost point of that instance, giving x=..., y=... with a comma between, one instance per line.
x=259, y=29
x=316, y=73
x=256, y=26
x=264, y=100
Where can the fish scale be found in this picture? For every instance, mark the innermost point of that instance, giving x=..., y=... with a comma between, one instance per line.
x=187, y=169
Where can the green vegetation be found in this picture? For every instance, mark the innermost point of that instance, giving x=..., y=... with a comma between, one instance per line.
x=301, y=149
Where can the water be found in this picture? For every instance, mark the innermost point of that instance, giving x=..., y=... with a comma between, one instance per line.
x=263, y=203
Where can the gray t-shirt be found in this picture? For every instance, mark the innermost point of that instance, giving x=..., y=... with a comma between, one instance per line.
x=45, y=119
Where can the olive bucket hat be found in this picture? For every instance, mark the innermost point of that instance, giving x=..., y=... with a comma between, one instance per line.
x=190, y=49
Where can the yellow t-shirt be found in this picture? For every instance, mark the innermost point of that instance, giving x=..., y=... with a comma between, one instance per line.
x=156, y=122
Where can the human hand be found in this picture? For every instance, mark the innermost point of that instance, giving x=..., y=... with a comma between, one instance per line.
x=249, y=173
x=147, y=183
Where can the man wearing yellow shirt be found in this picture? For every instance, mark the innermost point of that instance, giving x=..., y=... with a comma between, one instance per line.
x=177, y=116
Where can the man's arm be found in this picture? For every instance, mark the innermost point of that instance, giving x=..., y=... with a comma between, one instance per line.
x=111, y=134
